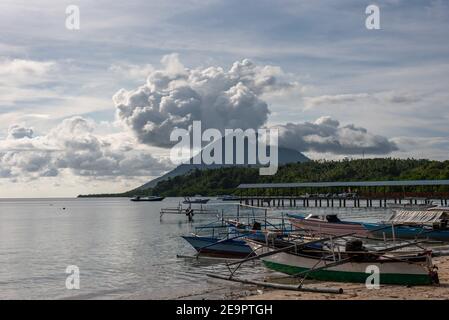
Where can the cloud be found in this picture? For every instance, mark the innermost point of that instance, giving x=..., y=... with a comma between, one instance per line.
x=326, y=135
x=22, y=71
x=175, y=96
x=73, y=146
x=422, y=147
x=381, y=97
x=19, y=132
x=333, y=99
x=132, y=71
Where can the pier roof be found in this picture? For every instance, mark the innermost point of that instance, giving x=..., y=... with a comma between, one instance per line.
x=344, y=184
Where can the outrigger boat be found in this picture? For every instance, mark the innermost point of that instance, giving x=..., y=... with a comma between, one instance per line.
x=328, y=224
x=228, y=197
x=187, y=200
x=230, y=243
x=350, y=266
x=431, y=224
x=225, y=236
x=149, y=198
x=215, y=247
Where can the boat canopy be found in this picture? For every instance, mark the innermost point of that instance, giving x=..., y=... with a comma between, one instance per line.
x=418, y=217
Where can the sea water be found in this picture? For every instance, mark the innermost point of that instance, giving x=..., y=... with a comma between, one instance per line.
x=123, y=249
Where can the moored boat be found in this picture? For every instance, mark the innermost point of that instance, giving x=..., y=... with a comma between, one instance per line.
x=226, y=240
x=412, y=269
x=187, y=200
x=429, y=224
x=230, y=198
x=149, y=198
x=225, y=248
x=327, y=225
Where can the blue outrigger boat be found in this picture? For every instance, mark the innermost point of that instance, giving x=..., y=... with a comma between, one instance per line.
x=215, y=247
x=229, y=243
x=431, y=224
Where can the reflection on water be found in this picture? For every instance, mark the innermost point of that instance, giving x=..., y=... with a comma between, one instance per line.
x=123, y=249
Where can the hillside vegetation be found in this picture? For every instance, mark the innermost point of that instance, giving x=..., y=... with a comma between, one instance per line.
x=225, y=180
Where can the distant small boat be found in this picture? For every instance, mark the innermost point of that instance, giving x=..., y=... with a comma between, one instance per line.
x=228, y=197
x=195, y=201
x=149, y=198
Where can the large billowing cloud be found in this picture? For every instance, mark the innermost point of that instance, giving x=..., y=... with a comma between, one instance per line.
x=73, y=146
x=326, y=135
x=175, y=96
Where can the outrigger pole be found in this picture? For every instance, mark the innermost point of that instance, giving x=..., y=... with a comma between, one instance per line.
x=278, y=286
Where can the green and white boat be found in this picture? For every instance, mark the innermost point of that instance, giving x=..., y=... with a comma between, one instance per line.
x=398, y=268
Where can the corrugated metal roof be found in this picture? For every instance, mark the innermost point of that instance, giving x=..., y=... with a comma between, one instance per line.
x=417, y=217
x=344, y=184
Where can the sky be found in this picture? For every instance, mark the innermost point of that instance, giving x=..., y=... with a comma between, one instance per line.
x=91, y=110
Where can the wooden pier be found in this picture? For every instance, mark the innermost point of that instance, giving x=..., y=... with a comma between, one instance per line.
x=319, y=202
x=353, y=194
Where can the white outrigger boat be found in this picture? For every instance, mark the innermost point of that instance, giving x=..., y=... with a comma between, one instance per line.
x=398, y=268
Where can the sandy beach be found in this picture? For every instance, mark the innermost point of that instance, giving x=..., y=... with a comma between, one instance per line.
x=356, y=291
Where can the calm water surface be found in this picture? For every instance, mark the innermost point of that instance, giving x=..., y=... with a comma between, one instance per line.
x=124, y=250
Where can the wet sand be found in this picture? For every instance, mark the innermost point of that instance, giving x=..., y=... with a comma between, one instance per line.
x=356, y=291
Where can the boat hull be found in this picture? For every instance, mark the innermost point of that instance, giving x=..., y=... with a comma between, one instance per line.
x=203, y=201
x=148, y=199
x=328, y=228
x=227, y=249
x=406, y=232
x=391, y=272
